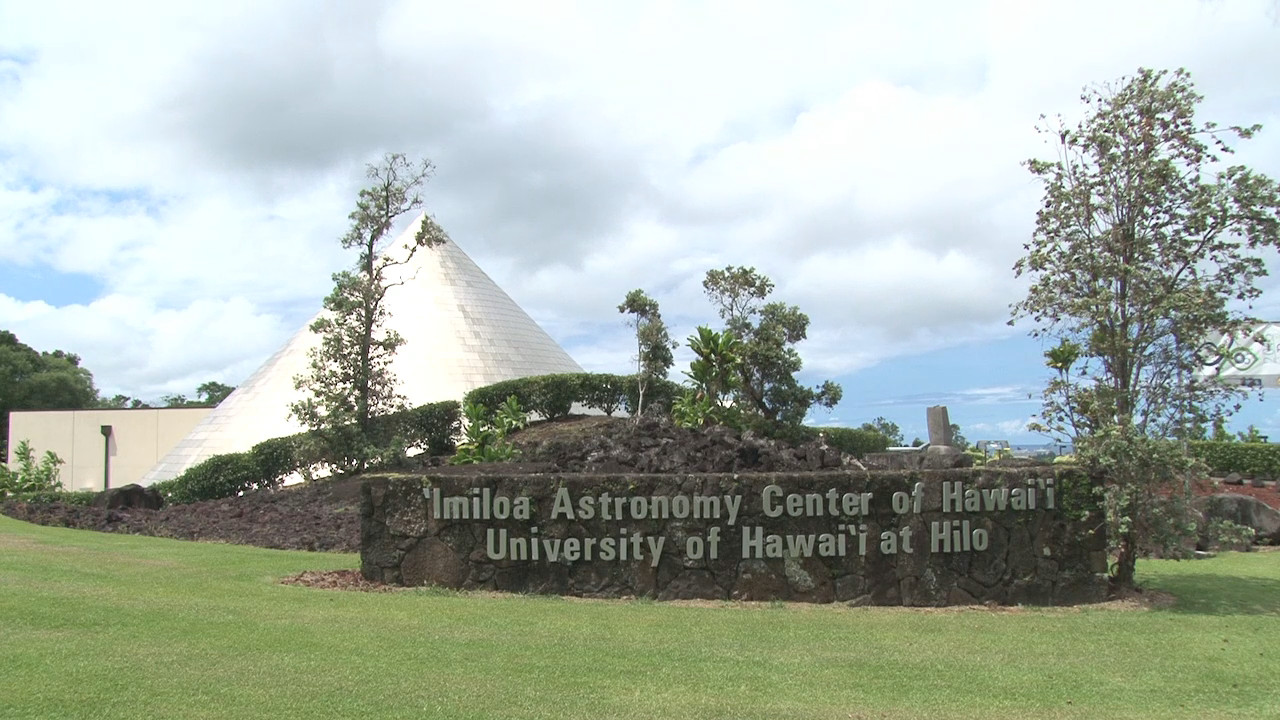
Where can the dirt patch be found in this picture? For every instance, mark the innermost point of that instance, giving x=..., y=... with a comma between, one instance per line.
x=1269, y=495
x=573, y=427
x=1140, y=599
x=338, y=580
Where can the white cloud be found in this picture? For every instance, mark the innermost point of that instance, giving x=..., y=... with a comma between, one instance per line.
x=198, y=161
x=137, y=349
x=1001, y=395
x=1002, y=428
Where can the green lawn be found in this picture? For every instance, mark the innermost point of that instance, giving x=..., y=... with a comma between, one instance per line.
x=107, y=626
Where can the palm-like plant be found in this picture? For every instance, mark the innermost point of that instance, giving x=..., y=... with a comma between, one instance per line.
x=713, y=374
x=714, y=370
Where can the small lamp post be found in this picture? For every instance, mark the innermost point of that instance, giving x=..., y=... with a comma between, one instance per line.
x=106, y=457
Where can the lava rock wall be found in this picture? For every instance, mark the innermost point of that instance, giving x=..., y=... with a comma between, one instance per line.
x=920, y=538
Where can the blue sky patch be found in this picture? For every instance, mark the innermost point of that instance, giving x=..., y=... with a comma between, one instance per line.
x=83, y=201
x=29, y=283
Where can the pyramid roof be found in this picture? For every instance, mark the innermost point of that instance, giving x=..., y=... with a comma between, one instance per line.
x=461, y=332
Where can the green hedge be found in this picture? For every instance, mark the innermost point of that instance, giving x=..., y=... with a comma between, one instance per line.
x=604, y=392
x=553, y=396
x=278, y=458
x=220, y=476
x=433, y=428
x=659, y=394
x=852, y=441
x=67, y=497
x=531, y=392
x=856, y=441
x=1256, y=459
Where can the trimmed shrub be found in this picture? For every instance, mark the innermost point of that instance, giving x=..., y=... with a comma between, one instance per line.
x=218, y=477
x=856, y=441
x=491, y=396
x=660, y=394
x=603, y=391
x=1255, y=459
x=66, y=497
x=793, y=434
x=277, y=458
x=434, y=427
x=549, y=396
x=552, y=395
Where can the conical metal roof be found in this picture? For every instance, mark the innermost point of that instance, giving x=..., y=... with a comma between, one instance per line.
x=461, y=332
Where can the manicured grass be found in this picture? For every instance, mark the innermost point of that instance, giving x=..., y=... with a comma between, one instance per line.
x=108, y=626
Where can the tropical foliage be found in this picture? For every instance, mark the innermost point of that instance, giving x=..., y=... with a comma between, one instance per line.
x=350, y=381
x=29, y=476
x=1146, y=243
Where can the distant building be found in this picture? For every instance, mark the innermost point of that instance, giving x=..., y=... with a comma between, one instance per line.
x=102, y=446
x=461, y=332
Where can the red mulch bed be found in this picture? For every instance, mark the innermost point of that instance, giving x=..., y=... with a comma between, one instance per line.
x=323, y=516
x=338, y=580
x=1269, y=495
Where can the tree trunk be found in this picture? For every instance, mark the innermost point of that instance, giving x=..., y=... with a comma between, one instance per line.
x=639, y=372
x=366, y=350
x=1126, y=561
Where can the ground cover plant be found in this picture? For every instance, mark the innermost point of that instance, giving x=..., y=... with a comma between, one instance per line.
x=117, y=626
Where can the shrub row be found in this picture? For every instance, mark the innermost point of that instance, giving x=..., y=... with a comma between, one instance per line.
x=45, y=497
x=553, y=396
x=856, y=441
x=852, y=441
x=218, y=477
x=1255, y=459
x=432, y=428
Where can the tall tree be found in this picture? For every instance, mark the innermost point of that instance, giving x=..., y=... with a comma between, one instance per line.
x=178, y=400
x=208, y=394
x=32, y=380
x=890, y=430
x=213, y=392
x=653, y=341
x=350, y=380
x=768, y=333
x=1143, y=242
x=122, y=402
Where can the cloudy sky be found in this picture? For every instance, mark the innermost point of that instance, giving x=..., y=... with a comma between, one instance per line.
x=174, y=176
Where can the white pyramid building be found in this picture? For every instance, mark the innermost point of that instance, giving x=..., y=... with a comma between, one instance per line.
x=461, y=332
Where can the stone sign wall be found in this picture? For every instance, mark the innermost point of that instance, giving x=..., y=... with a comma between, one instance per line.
x=883, y=538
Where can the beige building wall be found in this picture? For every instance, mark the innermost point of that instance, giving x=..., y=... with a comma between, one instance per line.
x=139, y=438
